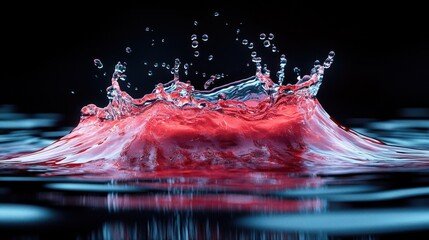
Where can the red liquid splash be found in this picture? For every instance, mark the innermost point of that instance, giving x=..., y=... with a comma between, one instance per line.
x=176, y=127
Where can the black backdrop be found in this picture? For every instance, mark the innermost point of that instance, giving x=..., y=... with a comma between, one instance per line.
x=380, y=64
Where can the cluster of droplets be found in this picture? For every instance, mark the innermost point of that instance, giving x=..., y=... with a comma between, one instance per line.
x=195, y=44
x=266, y=40
x=281, y=72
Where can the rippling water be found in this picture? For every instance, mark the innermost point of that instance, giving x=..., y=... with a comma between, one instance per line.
x=271, y=204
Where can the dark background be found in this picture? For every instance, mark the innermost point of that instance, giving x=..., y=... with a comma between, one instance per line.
x=380, y=67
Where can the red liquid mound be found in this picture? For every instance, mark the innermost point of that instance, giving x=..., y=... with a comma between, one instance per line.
x=176, y=127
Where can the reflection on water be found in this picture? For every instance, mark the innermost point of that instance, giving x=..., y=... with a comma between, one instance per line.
x=240, y=205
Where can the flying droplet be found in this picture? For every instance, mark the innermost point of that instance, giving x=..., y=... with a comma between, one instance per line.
x=194, y=44
x=245, y=42
x=147, y=29
x=257, y=59
x=72, y=92
x=195, y=23
x=98, y=63
x=250, y=45
x=193, y=37
x=270, y=36
x=267, y=43
x=331, y=54
x=149, y=73
x=316, y=63
x=120, y=68
x=296, y=70
x=238, y=31
x=185, y=66
x=205, y=37
x=163, y=64
x=274, y=49
x=262, y=36
x=253, y=54
x=210, y=57
x=216, y=14
x=196, y=54
x=155, y=65
x=128, y=50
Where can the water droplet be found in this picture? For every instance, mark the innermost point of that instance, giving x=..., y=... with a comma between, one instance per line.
x=262, y=36
x=193, y=37
x=328, y=62
x=149, y=73
x=267, y=43
x=120, y=68
x=128, y=50
x=238, y=31
x=296, y=70
x=274, y=49
x=194, y=44
x=216, y=14
x=147, y=29
x=283, y=61
x=196, y=54
x=257, y=59
x=205, y=37
x=270, y=36
x=155, y=65
x=253, y=54
x=98, y=63
x=195, y=23
x=245, y=42
x=185, y=66
x=209, y=82
x=316, y=63
x=250, y=45
x=210, y=57
x=331, y=54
